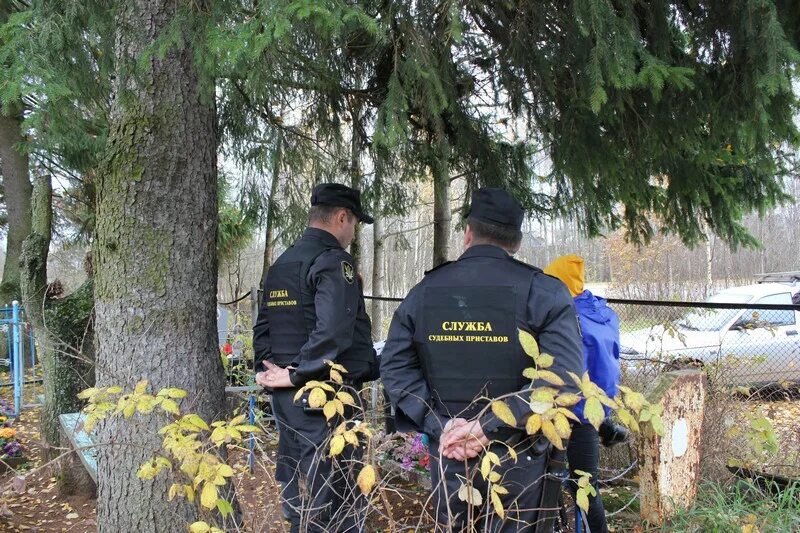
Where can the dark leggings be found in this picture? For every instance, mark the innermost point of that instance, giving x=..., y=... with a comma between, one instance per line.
x=583, y=453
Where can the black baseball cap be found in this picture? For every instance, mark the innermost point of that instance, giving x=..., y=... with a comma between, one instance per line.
x=338, y=195
x=496, y=206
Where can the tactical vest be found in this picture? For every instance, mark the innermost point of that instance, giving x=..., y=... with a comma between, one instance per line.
x=289, y=303
x=469, y=347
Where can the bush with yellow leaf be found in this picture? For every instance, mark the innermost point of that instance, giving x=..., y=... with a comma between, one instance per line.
x=550, y=415
x=192, y=450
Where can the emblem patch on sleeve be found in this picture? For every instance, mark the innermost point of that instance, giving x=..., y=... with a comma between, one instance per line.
x=348, y=272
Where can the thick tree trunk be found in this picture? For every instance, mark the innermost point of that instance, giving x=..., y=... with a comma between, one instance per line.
x=33, y=256
x=18, y=190
x=440, y=169
x=63, y=327
x=272, y=208
x=155, y=262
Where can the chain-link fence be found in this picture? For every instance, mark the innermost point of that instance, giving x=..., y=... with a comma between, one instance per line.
x=740, y=337
x=746, y=336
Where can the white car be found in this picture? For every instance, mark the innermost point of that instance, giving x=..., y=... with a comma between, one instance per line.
x=741, y=345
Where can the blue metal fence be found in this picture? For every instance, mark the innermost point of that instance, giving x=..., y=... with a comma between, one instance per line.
x=18, y=333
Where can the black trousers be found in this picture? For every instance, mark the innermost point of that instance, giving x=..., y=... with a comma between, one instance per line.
x=318, y=493
x=583, y=453
x=522, y=478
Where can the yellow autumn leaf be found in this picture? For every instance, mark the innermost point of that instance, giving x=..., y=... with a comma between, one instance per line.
x=339, y=406
x=366, y=479
x=503, y=412
x=89, y=423
x=208, y=497
x=196, y=421
x=140, y=387
x=346, y=398
x=530, y=373
x=299, y=393
x=534, y=424
x=351, y=438
x=605, y=400
x=635, y=400
x=582, y=500
x=237, y=420
x=87, y=393
x=493, y=458
x=316, y=398
x=551, y=377
x=176, y=489
x=545, y=360
x=499, y=489
x=320, y=384
x=486, y=466
x=329, y=410
x=170, y=406
x=336, y=377
x=199, y=527
x=147, y=471
x=337, y=445
x=569, y=414
x=336, y=366
x=550, y=433
x=529, y=344
x=494, y=477
x=593, y=411
x=562, y=426
x=146, y=404
x=173, y=393
x=511, y=452
x=219, y=435
x=498, y=505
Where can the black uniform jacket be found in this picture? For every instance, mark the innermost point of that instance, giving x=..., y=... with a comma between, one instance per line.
x=542, y=306
x=339, y=326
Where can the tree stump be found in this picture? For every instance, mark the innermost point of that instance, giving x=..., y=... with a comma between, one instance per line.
x=670, y=465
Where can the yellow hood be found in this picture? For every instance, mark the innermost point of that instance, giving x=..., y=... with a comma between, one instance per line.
x=570, y=270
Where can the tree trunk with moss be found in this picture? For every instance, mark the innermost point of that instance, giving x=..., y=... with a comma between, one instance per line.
x=155, y=259
x=62, y=327
x=17, y=188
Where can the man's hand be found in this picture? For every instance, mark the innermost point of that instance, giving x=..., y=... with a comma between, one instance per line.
x=274, y=377
x=462, y=439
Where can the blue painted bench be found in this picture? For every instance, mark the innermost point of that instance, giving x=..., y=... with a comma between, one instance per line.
x=72, y=426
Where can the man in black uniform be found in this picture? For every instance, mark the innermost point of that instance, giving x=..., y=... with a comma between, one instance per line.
x=454, y=339
x=313, y=311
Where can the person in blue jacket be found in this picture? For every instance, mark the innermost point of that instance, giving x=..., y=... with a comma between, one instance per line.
x=600, y=330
